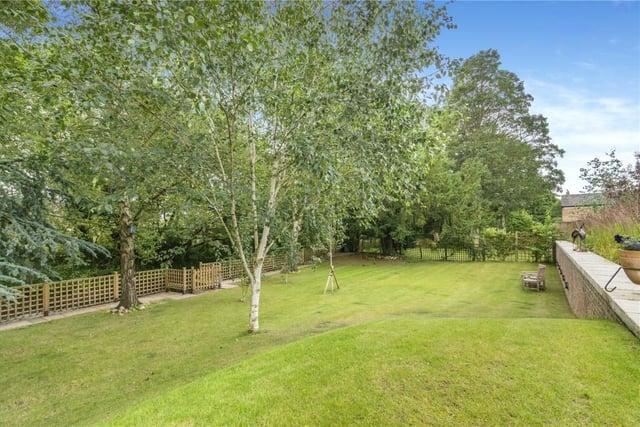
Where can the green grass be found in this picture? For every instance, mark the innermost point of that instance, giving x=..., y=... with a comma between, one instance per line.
x=398, y=344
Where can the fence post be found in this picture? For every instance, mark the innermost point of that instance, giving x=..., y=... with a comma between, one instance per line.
x=218, y=274
x=420, y=251
x=45, y=298
x=166, y=279
x=116, y=286
x=516, y=246
x=184, y=280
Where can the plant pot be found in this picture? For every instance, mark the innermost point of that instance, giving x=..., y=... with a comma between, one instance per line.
x=630, y=262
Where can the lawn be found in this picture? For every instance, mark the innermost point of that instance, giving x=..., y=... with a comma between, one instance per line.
x=419, y=343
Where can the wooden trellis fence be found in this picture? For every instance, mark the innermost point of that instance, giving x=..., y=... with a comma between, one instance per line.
x=45, y=298
x=206, y=276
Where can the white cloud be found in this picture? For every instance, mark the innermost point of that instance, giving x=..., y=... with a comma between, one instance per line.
x=586, y=125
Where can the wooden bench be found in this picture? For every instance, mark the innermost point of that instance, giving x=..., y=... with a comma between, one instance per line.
x=534, y=279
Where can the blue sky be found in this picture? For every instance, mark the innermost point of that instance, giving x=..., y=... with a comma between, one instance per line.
x=580, y=60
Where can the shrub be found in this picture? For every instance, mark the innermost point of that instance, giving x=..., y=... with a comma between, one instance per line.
x=620, y=217
x=499, y=241
x=520, y=221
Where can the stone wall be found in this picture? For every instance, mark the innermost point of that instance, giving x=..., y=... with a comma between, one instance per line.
x=575, y=214
x=584, y=276
x=581, y=292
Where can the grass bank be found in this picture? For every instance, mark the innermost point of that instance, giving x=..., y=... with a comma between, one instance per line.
x=396, y=342
x=421, y=371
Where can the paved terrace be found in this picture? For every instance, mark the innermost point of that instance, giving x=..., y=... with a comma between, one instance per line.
x=624, y=301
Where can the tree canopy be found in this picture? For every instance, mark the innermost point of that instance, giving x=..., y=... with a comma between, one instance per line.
x=612, y=177
x=498, y=130
x=32, y=180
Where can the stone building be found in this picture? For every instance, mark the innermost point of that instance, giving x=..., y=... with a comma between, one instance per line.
x=575, y=206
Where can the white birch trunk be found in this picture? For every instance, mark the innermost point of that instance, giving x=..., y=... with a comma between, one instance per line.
x=254, y=323
x=263, y=245
x=256, y=280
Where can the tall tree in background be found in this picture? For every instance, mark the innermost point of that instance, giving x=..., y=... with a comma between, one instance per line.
x=498, y=130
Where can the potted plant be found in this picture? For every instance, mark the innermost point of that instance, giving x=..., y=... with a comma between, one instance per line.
x=630, y=256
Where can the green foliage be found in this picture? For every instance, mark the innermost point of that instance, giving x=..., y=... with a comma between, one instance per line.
x=497, y=130
x=251, y=127
x=9, y=294
x=499, y=242
x=33, y=185
x=541, y=241
x=520, y=221
x=612, y=177
x=601, y=239
x=452, y=237
x=620, y=217
x=484, y=156
x=22, y=16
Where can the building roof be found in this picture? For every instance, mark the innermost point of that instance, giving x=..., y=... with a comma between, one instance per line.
x=589, y=199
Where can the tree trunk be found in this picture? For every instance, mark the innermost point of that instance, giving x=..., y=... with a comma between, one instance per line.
x=129, y=297
x=293, y=255
x=387, y=245
x=254, y=324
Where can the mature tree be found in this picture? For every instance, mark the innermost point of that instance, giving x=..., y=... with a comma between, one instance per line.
x=452, y=201
x=32, y=185
x=298, y=104
x=120, y=136
x=498, y=129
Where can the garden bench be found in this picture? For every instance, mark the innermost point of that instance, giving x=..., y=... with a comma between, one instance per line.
x=534, y=279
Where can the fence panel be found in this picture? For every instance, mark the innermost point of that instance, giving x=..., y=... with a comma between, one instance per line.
x=78, y=293
x=29, y=304
x=207, y=276
x=150, y=282
x=178, y=280
x=231, y=269
x=40, y=299
x=274, y=263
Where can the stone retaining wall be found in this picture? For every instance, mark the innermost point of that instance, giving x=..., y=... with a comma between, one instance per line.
x=580, y=289
x=584, y=275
